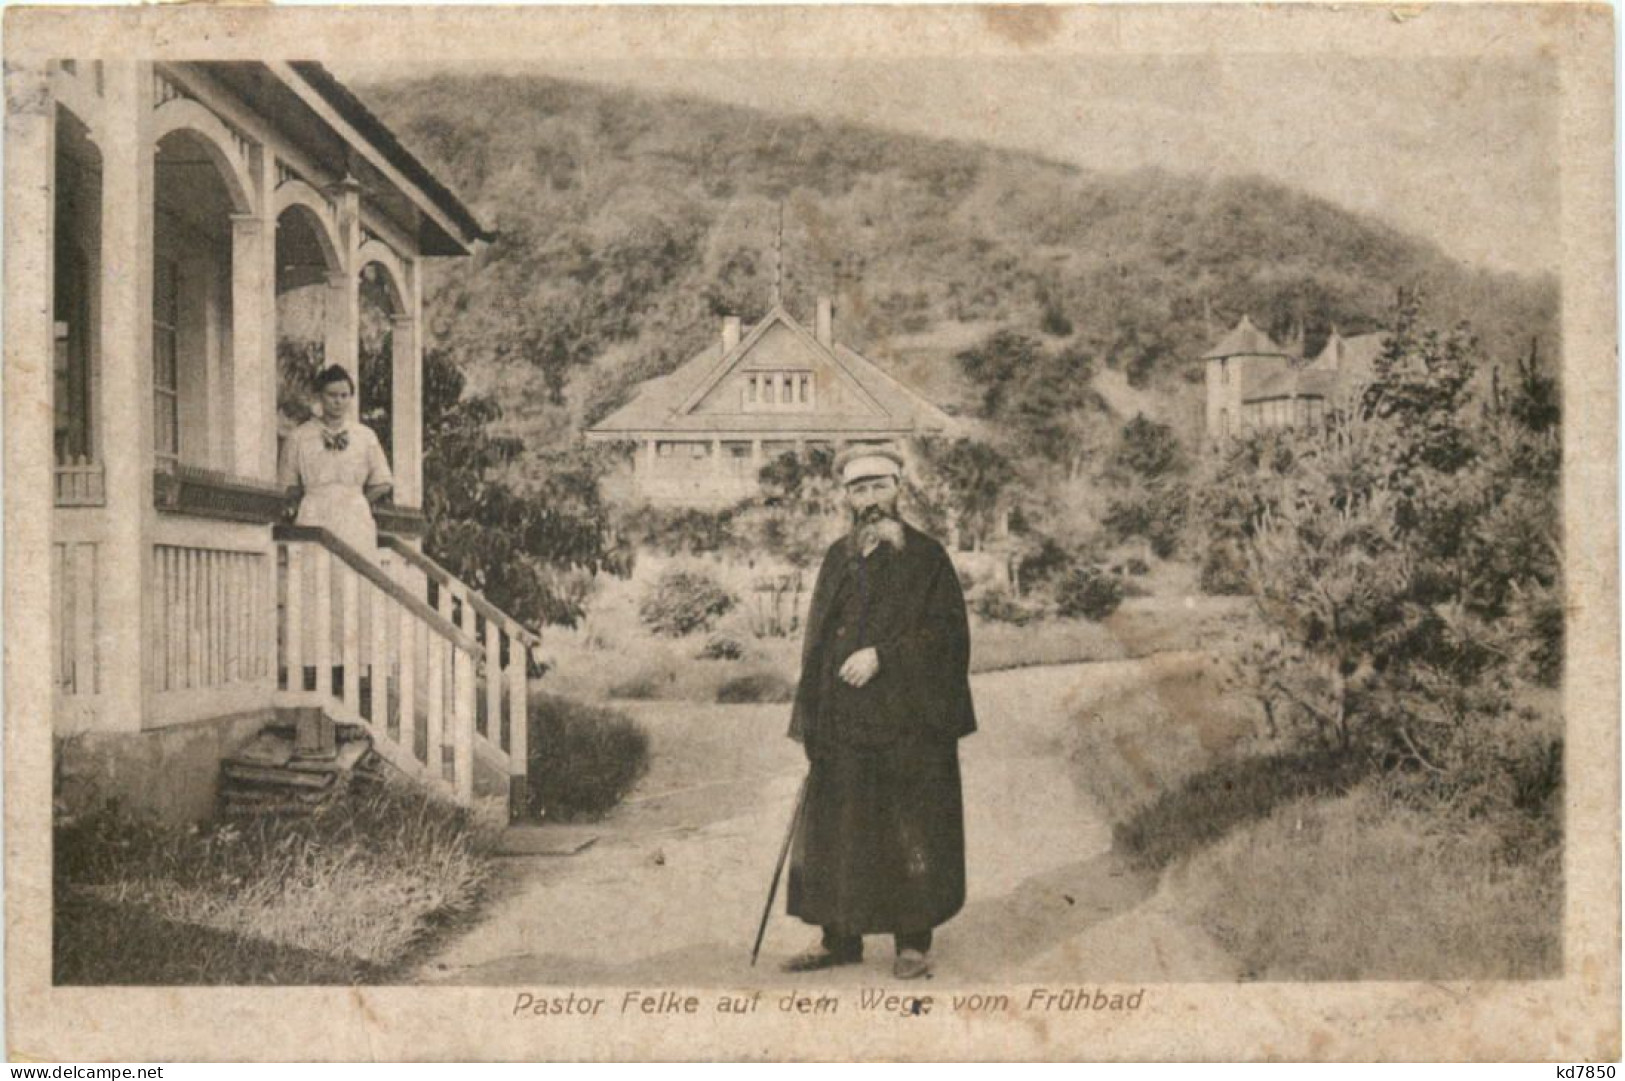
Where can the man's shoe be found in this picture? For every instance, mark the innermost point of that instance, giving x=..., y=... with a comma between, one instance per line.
x=819, y=958
x=910, y=965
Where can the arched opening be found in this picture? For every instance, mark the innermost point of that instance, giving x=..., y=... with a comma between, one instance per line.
x=304, y=269
x=191, y=304
x=76, y=293
x=380, y=308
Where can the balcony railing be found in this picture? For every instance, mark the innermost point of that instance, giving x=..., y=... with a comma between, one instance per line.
x=79, y=483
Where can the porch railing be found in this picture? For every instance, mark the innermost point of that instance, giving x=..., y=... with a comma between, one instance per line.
x=503, y=673
x=356, y=642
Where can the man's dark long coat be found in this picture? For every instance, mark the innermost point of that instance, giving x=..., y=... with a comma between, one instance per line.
x=881, y=843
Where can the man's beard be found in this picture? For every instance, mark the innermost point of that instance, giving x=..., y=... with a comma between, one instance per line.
x=876, y=525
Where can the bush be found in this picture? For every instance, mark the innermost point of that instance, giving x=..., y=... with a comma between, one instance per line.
x=583, y=759
x=722, y=647
x=684, y=601
x=1224, y=570
x=1088, y=592
x=1154, y=511
x=997, y=605
x=1039, y=568
x=643, y=683
x=756, y=687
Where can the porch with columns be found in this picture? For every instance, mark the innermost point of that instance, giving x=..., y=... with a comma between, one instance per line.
x=163, y=499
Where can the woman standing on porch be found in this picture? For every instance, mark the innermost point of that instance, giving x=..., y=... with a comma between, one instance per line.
x=336, y=466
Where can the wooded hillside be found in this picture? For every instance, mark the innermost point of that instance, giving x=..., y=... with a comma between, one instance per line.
x=630, y=223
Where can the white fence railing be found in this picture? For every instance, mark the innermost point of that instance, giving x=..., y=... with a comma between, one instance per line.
x=354, y=642
x=501, y=706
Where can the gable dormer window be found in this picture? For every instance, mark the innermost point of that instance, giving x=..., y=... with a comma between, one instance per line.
x=780, y=391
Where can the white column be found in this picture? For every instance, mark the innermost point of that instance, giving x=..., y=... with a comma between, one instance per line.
x=343, y=286
x=216, y=366
x=406, y=411
x=126, y=407
x=30, y=209
x=265, y=174
x=249, y=353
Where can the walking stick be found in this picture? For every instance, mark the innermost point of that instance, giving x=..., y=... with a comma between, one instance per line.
x=778, y=870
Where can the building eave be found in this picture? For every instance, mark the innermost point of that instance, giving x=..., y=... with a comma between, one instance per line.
x=451, y=228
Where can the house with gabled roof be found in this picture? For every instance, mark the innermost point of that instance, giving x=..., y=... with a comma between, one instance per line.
x=1253, y=383
x=703, y=432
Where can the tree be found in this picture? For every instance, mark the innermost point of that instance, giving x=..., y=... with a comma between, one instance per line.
x=1044, y=401
x=1148, y=467
x=974, y=479
x=1423, y=379
x=1406, y=560
x=803, y=481
x=1053, y=412
x=1148, y=450
x=997, y=364
x=525, y=545
x=790, y=519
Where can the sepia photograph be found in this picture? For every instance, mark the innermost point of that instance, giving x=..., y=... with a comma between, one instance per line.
x=820, y=533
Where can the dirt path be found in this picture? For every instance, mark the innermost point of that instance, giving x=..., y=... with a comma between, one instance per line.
x=673, y=888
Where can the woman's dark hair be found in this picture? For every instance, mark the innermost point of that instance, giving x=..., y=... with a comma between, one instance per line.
x=333, y=373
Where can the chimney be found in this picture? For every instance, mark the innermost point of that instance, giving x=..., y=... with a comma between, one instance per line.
x=730, y=332
x=826, y=322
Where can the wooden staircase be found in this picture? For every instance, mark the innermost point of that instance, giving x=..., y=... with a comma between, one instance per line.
x=436, y=675
x=298, y=765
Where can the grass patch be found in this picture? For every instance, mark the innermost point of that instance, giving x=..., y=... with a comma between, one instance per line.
x=1143, y=626
x=346, y=895
x=584, y=759
x=1310, y=865
x=1143, y=729
x=762, y=686
x=997, y=646
x=101, y=943
x=1208, y=805
x=1366, y=886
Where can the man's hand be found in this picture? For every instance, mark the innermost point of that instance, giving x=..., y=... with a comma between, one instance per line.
x=860, y=668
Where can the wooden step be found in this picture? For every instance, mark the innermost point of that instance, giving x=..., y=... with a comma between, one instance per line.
x=279, y=773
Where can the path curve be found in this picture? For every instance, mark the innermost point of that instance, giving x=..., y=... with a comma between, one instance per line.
x=672, y=890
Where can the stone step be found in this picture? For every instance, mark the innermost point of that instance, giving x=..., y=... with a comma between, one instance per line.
x=537, y=840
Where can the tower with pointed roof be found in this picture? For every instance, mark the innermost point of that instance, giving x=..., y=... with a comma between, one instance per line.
x=1254, y=383
x=1242, y=359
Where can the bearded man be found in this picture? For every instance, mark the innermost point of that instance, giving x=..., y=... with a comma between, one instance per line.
x=883, y=701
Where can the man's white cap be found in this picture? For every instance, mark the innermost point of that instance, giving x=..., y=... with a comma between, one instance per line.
x=862, y=463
